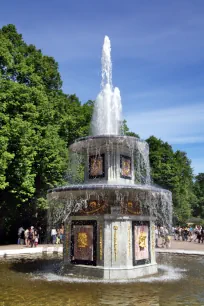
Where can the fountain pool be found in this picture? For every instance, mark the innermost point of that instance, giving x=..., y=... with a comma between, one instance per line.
x=37, y=282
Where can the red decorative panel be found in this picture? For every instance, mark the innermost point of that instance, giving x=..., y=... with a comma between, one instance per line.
x=84, y=235
x=141, y=245
x=125, y=167
x=96, y=166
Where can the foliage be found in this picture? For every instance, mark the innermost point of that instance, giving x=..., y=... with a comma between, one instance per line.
x=37, y=123
x=172, y=170
x=198, y=207
x=126, y=131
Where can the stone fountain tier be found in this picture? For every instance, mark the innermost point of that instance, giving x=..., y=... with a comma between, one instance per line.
x=86, y=187
x=113, y=152
x=100, y=141
x=105, y=225
x=97, y=199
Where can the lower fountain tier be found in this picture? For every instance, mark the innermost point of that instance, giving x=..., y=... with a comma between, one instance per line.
x=108, y=187
x=109, y=229
x=100, y=199
x=110, y=246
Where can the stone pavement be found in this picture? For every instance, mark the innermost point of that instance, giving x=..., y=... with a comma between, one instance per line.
x=183, y=247
x=19, y=247
x=178, y=247
x=187, y=245
x=16, y=250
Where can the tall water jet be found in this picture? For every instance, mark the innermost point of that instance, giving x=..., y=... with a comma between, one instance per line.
x=107, y=115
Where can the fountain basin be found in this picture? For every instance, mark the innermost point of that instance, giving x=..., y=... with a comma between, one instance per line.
x=179, y=282
x=109, y=229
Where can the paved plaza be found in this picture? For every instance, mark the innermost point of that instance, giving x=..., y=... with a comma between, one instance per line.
x=178, y=247
x=184, y=245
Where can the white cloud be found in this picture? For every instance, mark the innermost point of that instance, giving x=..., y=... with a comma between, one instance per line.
x=176, y=125
x=179, y=126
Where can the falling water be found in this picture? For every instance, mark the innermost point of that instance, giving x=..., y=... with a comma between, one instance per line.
x=107, y=115
x=106, y=120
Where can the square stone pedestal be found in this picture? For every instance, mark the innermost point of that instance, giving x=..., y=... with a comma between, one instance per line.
x=110, y=246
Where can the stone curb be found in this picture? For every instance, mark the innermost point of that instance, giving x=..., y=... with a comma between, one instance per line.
x=176, y=251
x=27, y=251
x=51, y=250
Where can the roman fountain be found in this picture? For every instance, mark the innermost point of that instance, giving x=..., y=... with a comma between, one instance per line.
x=111, y=207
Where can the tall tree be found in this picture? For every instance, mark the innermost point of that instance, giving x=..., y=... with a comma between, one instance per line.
x=126, y=131
x=183, y=188
x=198, y=204
x=33, y=155
x=172, y=170
x=37, y=123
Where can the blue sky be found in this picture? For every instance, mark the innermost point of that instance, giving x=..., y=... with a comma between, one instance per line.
x=157, y=54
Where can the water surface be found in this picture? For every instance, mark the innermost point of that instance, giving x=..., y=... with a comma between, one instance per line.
x=37, y=281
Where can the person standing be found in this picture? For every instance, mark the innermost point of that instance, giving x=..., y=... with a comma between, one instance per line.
x=40, y=235
x=20, y=230
x=166, y=238
x=62, y=234
x=31, y=236
x=53, y=235
x=190, y=236
x=26, y=235
x=36, y=238
x=22, y=238
x=199, y=233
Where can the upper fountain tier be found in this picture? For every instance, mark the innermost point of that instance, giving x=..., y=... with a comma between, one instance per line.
x=112, y=159
x=107, y=114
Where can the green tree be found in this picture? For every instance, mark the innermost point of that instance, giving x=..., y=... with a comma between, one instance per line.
x=37, y=124
x=25, y=64
x=198, y=204
x=126, y=131
x=183, y=188
x=162, y=162
x=172, y=170
x=73, y=118
x=33, y=155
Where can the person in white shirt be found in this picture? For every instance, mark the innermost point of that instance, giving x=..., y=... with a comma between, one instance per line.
x=53, y=235
x=26, y=235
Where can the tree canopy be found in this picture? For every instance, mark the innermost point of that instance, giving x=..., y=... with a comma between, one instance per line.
x=37, y=123
x=198, y=204
x=172, y=170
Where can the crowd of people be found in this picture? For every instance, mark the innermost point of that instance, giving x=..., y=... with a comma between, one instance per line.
x=29, y=236
x=189, y=233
